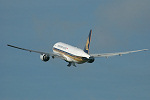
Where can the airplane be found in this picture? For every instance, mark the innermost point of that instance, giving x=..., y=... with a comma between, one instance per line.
x=74, y=55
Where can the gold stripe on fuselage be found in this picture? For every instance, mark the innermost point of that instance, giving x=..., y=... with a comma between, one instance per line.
x=76, y=58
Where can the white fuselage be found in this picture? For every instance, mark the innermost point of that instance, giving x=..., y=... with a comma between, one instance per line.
x=70, y=53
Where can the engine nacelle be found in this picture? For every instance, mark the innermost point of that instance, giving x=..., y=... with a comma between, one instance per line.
x=44, y=57
x=91, y=60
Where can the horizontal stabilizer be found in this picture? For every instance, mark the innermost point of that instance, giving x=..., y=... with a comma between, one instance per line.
x=115, y=54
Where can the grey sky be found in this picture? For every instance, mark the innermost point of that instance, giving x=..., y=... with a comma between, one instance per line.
x=118, y=25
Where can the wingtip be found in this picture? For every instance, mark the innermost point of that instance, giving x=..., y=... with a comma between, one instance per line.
x=9, y=45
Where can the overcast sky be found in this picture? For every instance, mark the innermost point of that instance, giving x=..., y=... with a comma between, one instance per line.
x=118, y=25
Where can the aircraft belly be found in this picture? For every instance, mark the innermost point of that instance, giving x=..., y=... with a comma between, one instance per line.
x=69, y=57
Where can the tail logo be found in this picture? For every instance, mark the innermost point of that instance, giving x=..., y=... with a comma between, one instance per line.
x=87, y=46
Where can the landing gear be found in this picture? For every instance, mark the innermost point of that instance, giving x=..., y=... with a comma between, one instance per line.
x=74, y=64
x=71, y=63
x=53, y=57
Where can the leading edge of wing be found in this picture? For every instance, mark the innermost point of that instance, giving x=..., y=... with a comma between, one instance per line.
x=51, y=54
x=115, y=54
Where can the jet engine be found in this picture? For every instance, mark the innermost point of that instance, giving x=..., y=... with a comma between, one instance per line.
x=44, y=57
x=91, y=60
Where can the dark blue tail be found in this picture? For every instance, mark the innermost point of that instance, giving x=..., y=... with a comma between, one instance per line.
x=87, y=46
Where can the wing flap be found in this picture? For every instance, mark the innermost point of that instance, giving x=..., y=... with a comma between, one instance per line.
x=115, y=54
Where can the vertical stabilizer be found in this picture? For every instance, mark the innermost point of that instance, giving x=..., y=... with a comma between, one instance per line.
x=87, y=46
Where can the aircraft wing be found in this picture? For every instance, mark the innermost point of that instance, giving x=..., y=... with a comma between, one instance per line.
x=115, y=54
x=50, y=54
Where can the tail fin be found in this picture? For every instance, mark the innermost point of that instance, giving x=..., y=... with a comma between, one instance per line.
x=87, y=46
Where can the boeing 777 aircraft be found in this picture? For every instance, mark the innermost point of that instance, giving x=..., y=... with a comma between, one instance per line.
x=72, y=54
